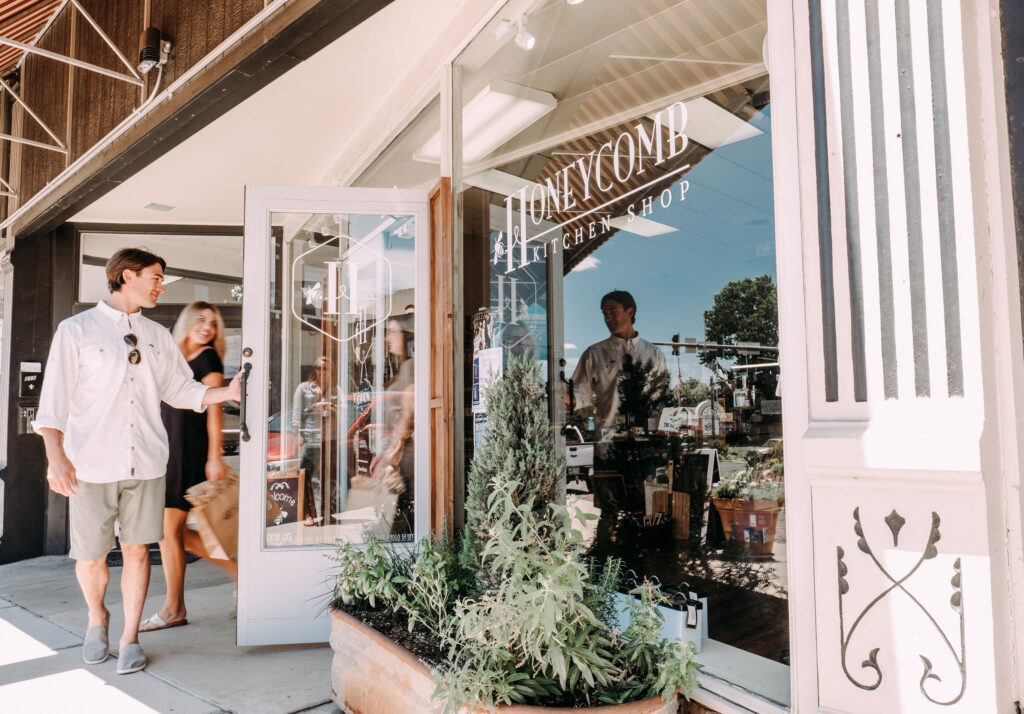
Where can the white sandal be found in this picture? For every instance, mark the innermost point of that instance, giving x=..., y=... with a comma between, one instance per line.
x=155, y=622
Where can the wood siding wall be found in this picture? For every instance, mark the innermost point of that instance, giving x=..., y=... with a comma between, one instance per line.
x=43, y=271
x=80, y=106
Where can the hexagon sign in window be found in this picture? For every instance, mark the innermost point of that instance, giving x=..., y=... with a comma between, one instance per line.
x=347, y=292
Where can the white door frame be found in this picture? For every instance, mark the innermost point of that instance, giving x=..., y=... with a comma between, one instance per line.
x=955, y=456
x=283, y=591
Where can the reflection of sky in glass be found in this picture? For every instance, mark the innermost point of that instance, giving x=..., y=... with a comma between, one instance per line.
x=725, y=230
x=396, y=243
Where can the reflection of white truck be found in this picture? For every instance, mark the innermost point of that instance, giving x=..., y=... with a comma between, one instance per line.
x=579, y=458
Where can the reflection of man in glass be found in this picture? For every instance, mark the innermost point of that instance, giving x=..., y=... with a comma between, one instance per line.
x=597, y=374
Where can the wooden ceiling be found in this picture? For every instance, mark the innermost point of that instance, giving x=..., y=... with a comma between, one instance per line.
x=23, y=21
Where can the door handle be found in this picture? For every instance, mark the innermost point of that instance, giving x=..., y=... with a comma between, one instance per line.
x=243, y=430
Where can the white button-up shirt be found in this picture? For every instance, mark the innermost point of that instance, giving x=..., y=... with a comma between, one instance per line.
x=597, y=375
x=108, y=409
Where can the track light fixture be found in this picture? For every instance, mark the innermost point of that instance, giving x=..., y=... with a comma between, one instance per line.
x=523, y=38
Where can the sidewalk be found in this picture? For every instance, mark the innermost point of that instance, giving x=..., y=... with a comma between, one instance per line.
x=195, y=669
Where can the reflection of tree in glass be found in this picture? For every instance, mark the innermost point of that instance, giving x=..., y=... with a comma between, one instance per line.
x=745, y=310
x=691, y=392
x=643, y=390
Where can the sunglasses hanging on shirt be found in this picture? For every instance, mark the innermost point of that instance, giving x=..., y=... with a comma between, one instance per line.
x=134, y=356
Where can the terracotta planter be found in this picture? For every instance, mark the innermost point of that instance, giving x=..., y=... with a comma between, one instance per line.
x=749, y=522
x=373, y=675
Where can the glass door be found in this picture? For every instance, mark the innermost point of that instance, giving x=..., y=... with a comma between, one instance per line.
x=328, y=432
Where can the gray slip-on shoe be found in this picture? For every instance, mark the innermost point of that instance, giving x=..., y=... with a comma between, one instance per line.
x=131, y=659
x=96, y=647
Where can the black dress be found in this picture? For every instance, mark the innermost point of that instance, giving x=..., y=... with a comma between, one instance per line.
x=188, y=438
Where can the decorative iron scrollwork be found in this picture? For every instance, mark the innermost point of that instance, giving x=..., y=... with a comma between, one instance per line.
x=895, y=522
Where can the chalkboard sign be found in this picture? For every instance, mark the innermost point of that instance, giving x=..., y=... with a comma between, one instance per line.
x=286, y=489
x=691, y=474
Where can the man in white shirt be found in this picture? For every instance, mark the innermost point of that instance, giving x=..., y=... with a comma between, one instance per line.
x=597, y=374
x=99, y=415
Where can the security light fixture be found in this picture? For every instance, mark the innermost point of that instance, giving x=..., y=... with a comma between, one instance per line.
x=149, y=49
x=153, y=52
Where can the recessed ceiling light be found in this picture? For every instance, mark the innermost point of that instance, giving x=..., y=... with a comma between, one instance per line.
x=159, y=207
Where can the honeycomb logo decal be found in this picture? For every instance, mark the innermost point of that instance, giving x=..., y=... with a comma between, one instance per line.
x=358, y=288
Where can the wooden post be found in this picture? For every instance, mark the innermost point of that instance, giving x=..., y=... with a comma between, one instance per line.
x=442, y=358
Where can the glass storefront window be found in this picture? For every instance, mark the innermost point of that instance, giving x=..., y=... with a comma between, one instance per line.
x=199, y=267
x=617, y=223
x=340, y=449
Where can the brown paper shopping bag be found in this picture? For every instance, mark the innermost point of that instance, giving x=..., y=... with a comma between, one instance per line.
x=215, y=506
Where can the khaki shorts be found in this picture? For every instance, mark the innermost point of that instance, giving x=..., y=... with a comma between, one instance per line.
x=137, y=504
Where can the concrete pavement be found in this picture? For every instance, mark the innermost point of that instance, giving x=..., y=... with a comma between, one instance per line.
x=195, y=669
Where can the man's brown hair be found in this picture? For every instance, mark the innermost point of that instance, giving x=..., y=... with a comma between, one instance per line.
x=134, y=259
x=623, y=298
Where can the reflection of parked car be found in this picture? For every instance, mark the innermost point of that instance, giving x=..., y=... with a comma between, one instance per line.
x=281, y=445
x=761, y=452
x=579, y=457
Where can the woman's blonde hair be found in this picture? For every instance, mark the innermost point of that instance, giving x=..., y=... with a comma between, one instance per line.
x=187, y=318
x=322, y=359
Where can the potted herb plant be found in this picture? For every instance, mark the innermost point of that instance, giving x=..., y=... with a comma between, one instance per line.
x=514, y=617
x=749, y=503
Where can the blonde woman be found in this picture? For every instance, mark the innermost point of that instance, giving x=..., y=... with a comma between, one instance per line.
x=195, y=455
